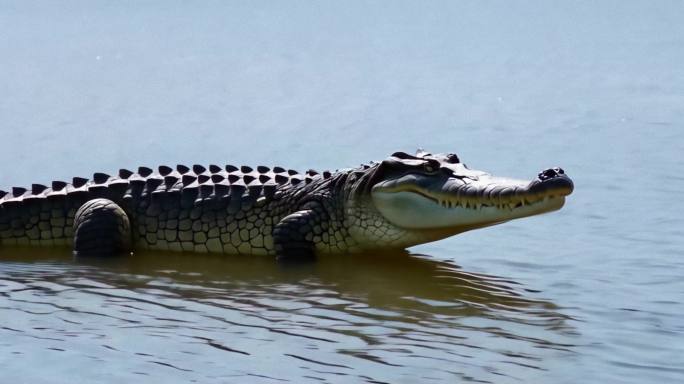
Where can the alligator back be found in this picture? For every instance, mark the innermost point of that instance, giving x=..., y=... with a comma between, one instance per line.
x=217, y=209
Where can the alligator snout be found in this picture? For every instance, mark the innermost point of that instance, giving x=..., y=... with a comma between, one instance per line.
x=552, y=180
x=550, y=173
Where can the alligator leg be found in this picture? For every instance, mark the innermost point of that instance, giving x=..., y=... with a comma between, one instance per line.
x=293, y=235
x=101, y=228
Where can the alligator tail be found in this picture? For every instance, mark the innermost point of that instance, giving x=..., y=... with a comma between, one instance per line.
x=29, y=217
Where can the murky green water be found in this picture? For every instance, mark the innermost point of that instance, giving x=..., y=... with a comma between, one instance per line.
x=593, y=293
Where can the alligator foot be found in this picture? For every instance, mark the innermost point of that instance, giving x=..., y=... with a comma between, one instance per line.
x=101, y=228
x=293, y=236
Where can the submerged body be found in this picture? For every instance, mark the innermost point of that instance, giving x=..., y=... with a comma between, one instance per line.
x=403, y=201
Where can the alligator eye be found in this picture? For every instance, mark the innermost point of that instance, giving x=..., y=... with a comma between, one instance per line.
x=430, y=168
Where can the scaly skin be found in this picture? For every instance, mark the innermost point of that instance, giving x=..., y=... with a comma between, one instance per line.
x=259, y=211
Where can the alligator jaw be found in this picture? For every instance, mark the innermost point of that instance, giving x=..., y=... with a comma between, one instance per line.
x=460, y=205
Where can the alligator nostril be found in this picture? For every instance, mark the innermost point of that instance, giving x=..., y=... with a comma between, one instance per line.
x=551, y=182
x=550, y=173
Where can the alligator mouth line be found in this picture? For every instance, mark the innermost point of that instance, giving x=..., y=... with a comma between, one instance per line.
x=475, y=204
x=478, y=206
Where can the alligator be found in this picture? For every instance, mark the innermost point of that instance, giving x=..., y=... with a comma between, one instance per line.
x=399, y=202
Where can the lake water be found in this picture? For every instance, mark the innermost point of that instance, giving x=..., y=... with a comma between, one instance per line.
x=592, y=293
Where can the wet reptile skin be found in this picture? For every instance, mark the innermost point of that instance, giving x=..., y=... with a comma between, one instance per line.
x=403, y=201
x=219, y=209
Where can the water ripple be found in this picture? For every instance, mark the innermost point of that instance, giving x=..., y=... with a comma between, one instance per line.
x=421, y=318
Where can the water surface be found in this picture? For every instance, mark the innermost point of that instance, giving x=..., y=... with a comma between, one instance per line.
x=387, y=318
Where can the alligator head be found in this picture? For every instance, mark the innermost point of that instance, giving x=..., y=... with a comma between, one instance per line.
x=426, y=197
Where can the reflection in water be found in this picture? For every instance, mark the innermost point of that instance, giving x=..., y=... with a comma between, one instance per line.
x=208, y=317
